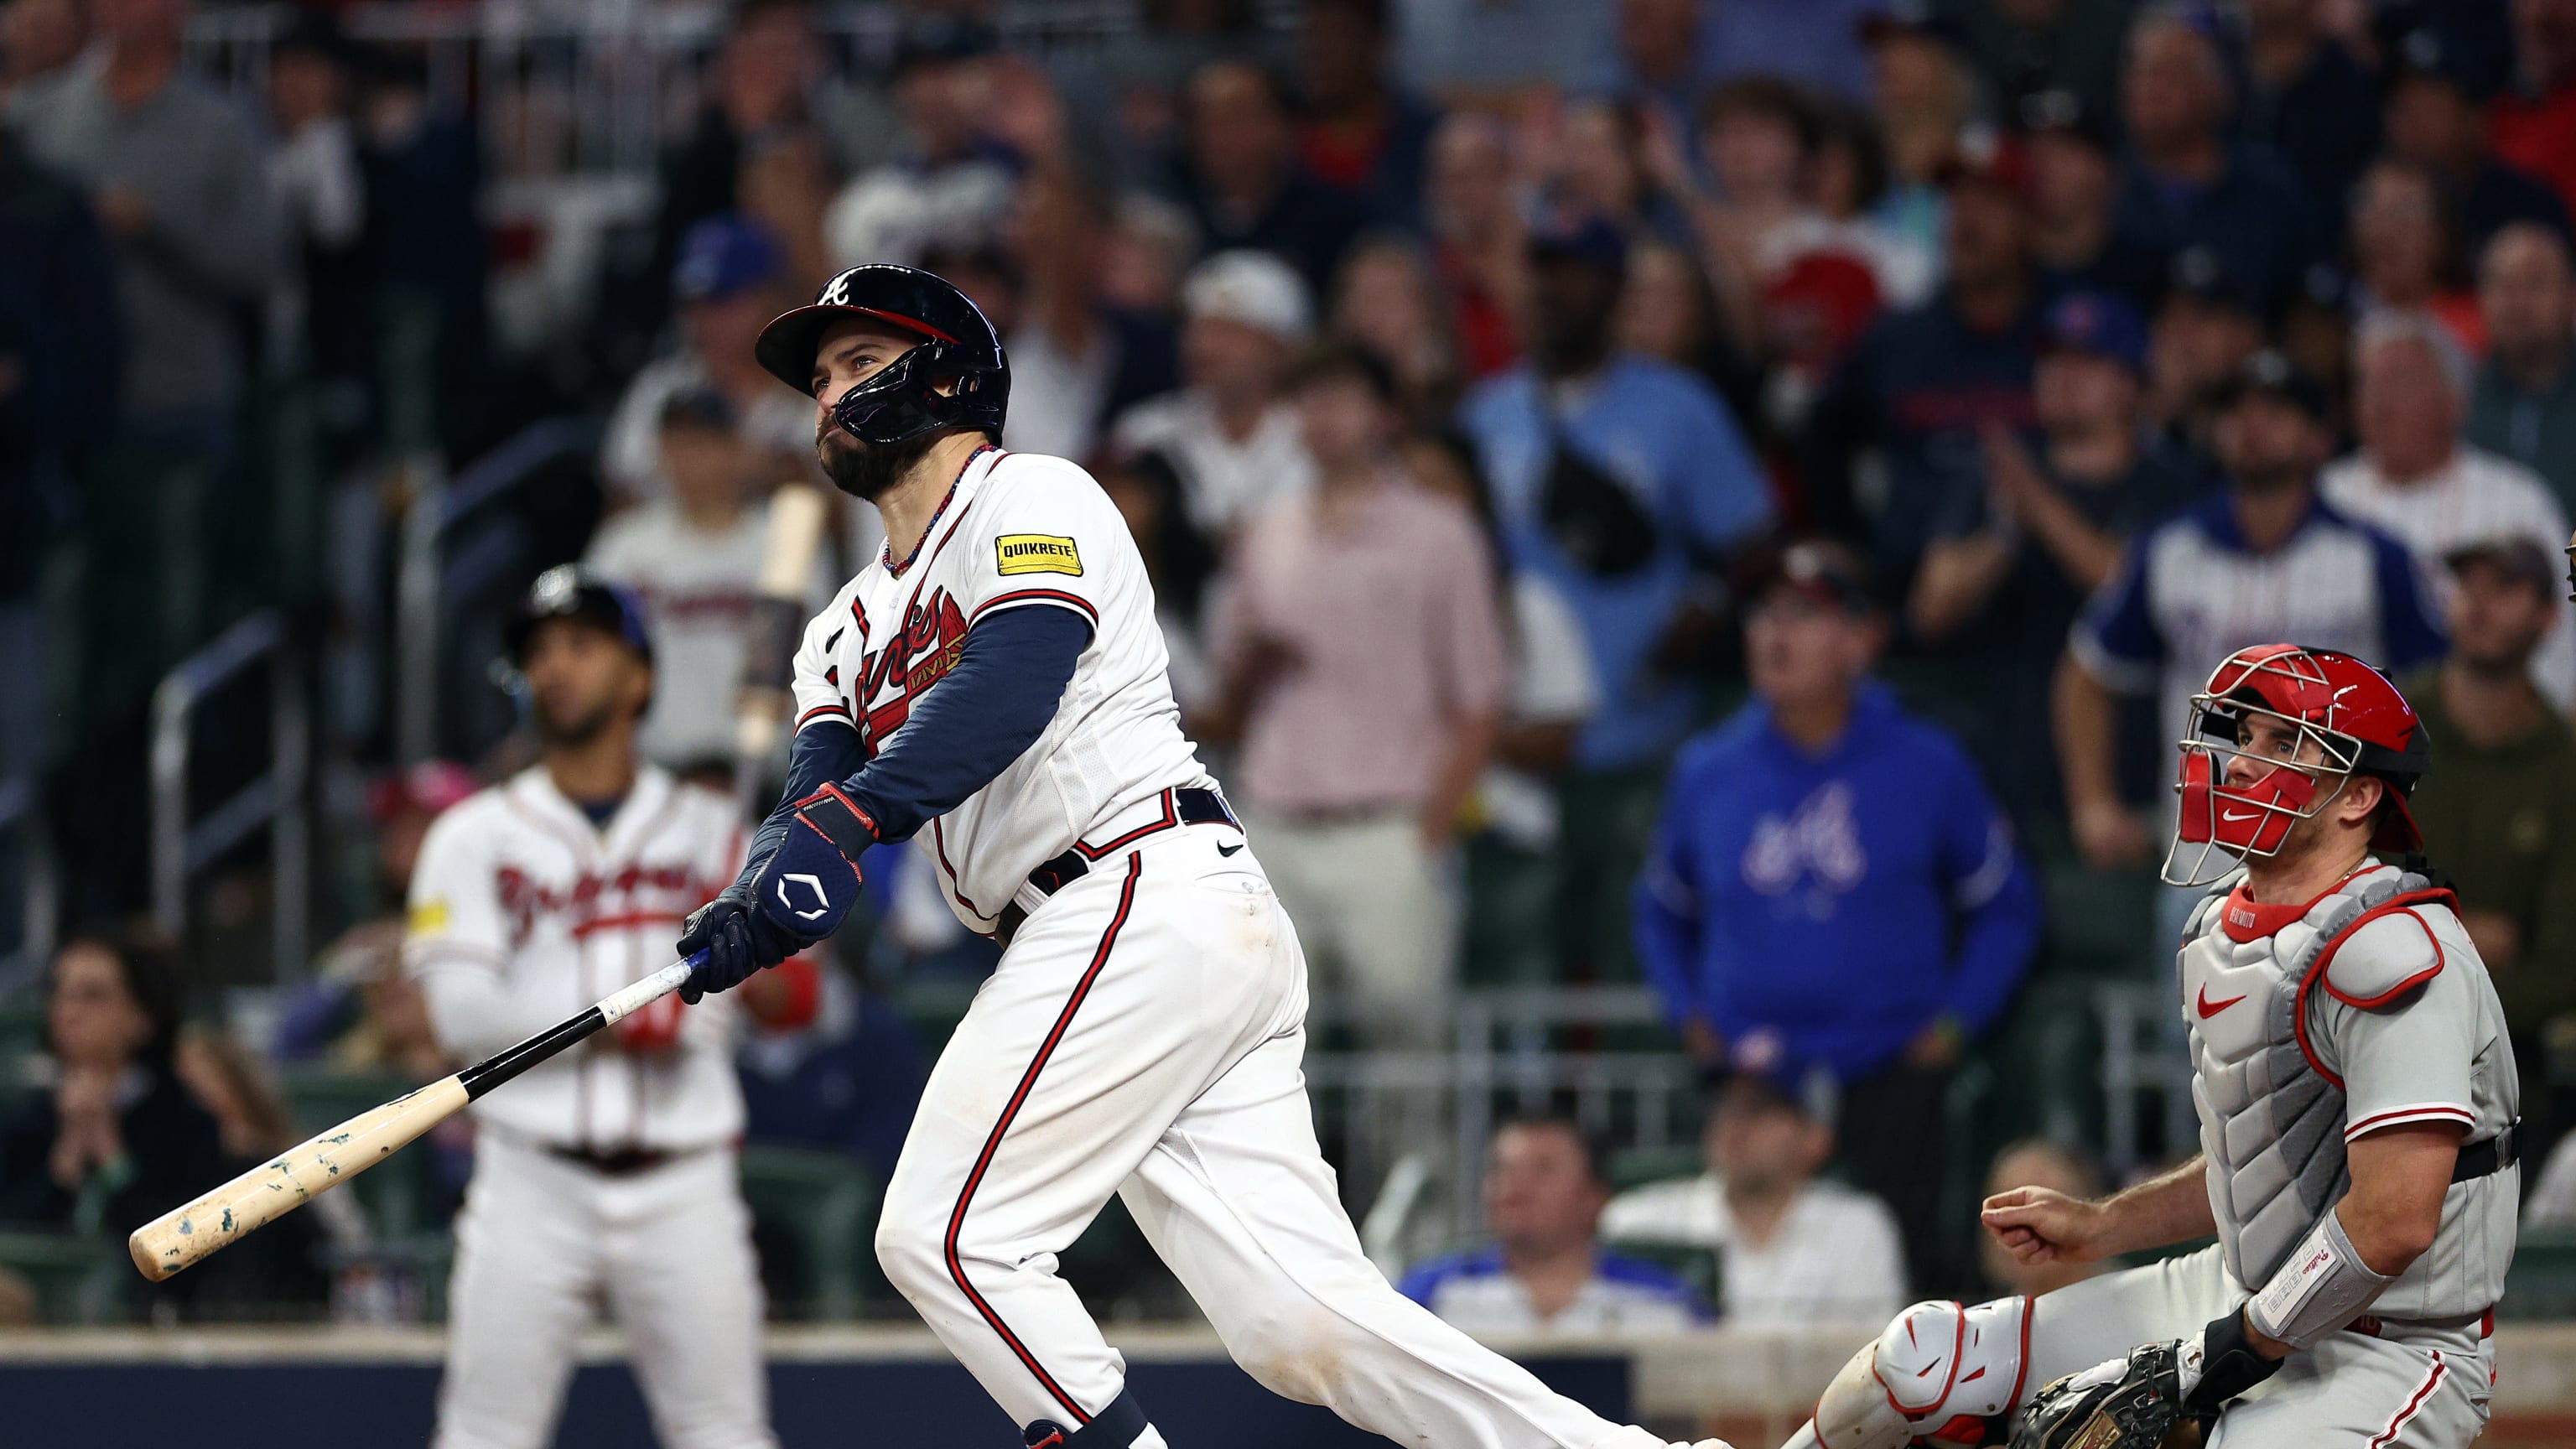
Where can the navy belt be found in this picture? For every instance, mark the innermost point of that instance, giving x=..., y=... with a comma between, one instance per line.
x=1180, y=807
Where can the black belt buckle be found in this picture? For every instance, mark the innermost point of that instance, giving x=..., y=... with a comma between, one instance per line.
x=624, y=1162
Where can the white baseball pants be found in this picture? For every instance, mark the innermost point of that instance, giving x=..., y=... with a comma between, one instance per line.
x=541, y=1239
x=1143, y=1035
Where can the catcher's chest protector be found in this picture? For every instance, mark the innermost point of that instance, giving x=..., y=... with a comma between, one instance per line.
x=2271, y=1122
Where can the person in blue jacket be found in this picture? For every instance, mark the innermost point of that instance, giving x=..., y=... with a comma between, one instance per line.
x=1831, y=882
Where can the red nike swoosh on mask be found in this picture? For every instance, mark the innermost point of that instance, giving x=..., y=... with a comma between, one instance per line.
x=2209, y=1008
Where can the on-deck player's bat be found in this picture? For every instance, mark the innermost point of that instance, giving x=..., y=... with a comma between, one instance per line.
x=797, y=514
x=264, y=1194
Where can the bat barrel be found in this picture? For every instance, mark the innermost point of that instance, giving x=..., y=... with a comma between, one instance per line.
x=289, y=1180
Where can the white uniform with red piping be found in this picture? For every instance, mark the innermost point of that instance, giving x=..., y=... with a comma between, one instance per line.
x=2310, y=1026
x=611, y=1169
x=1144, y=1031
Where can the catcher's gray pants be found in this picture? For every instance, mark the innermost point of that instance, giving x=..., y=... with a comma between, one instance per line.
x=2415, y=1386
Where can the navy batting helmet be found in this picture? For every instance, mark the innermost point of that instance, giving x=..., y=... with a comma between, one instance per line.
x=903, y=399
x=570, y=591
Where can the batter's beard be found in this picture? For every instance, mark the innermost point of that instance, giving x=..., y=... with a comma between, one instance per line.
x=867, y=470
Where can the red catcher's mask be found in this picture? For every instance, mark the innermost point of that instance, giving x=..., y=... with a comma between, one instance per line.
x=2341, y=716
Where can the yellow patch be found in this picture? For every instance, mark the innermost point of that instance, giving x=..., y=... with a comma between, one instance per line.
x=1036, y=553
x=429, y=918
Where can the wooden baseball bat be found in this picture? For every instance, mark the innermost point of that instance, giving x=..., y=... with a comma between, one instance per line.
x=797, y=516
x=264, y=1194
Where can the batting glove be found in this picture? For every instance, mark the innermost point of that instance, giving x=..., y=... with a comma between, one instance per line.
x=738, y=941
x=809, y=885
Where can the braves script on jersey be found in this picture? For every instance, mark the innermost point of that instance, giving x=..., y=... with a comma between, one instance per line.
x=1018, y=531
x=523, y=913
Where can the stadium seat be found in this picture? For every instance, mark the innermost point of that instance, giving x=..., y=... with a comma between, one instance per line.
x=2542, y=1281
x=822, y=1207
x=76, y=1279
x=1694, y=1263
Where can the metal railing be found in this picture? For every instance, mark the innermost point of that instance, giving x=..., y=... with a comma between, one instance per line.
x=1419, y=1121
x=2143, y=1055
x=276, y=800
x=423, y=583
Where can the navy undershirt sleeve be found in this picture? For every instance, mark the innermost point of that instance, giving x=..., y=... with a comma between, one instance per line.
x=986, y=712
x=983, y=714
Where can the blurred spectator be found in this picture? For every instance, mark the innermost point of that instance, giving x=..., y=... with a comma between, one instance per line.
x=1510, y=870
x=2413, y=477
x=1816, y=43
x=1387, y=300
x=767, y=89
x=43, y=43
x=1178, y=563
x=1824, y=825
x=1491, y=53
x=1621, y=481
x=1358, y=128
x=2073, y=183
x=1246, y=185
x=1150, y=244
x=693, y=557
x=1792, y=1249
x=2535, y=121
x=2307, y=99
x=1848, y=181
x=729, y=283
x=2496, y=814
x=1760, y=135
x=1669, y=312
x=2405, y=251
x=2315, y=332
x=1546, y=1271
x=324, y=310
x=425, y=209
x=951, y=179
x=847, y=1081
x=1923, y=96
x=2036, y=1162
x=2184, y=183
x=1594, y=161
x=1478, y=249
x=1231, y=431
x=279, y=1271
x=2523, y=403
x=1360, y=652
x=2021, y=48
x=114, y=1138
x=329, y=1016
x=2437, y=119
x=1924, y=380
x=1076, y=362
x=2013, y=561
x=2206, y=329
x=59, y=373
x=2264, y=560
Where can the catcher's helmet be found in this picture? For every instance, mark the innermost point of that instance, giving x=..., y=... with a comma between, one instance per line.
x=2359, y=721
x=570, y=591
x=902, y=400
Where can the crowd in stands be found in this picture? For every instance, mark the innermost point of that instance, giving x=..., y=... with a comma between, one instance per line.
x=1729, y=495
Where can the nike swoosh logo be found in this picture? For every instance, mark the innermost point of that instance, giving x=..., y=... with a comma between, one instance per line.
x=1228, y=849
x=2232, y=816
x=2209, y=1008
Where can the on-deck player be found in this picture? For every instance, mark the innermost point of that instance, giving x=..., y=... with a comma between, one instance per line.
x=610, y=1169
x=2357, y=1101
x=992, y=688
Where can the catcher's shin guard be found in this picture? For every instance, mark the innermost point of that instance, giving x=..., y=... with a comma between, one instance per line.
x=1940, y=1373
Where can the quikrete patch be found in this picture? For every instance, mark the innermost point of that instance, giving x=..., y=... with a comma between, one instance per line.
x=1037, y=553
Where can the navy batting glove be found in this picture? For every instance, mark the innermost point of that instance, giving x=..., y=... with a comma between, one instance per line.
x=738, y=941
x=813, y=880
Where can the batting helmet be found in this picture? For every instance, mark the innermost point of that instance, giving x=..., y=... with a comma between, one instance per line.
x=902, y=400
x=570, y=591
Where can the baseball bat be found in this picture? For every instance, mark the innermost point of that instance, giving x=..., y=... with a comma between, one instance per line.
x=797, y=515
x=264, y=1194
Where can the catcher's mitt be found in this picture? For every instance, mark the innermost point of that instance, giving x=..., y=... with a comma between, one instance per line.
x=2131, y=1403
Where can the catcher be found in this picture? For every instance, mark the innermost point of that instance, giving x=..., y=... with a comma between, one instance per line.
x=2356, y=1096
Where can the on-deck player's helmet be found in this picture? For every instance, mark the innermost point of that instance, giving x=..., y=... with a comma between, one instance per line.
x=903, y=399
x=571, y=591
x=2348, y=709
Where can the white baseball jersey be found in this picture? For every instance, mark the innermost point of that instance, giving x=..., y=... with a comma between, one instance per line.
x=523, y=913
x=1019, y=530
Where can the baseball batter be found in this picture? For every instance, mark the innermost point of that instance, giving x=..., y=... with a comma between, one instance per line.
x=2357, y=1100
x=610, y=1169
x=992, y=688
